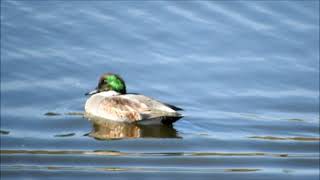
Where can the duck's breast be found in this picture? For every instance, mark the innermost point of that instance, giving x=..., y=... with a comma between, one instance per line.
x=115, y=108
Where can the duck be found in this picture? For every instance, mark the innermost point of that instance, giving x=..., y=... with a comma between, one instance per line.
x=110, y=101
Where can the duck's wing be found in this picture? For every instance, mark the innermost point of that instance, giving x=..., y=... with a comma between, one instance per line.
x=157, y=110
x=151, y=108
x=176, y=108
x=152, y=104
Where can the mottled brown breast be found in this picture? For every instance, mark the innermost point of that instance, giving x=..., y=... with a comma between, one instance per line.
x=123, y=108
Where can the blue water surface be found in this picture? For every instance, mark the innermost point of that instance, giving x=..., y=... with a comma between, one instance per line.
x=245, y=72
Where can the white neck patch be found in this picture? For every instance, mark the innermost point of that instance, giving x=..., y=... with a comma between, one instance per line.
x=108, y=93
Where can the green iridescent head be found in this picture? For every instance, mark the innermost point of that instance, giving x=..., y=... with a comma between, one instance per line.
x=108, y=82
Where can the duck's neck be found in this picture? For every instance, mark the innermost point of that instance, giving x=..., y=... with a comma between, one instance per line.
x=109, y=93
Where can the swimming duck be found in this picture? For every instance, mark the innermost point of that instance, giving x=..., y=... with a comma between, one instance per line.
x=111, y=101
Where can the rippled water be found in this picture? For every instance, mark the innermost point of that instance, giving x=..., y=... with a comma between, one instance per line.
x=246, y=73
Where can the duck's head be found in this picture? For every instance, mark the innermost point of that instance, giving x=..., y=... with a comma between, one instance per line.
x=110, y=82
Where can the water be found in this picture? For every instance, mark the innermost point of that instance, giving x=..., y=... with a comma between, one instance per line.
x=246, y=73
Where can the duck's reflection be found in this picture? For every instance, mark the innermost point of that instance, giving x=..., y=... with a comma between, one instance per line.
x=104, y=129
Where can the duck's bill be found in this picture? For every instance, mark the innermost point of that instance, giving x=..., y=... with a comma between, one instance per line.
x=91, y=92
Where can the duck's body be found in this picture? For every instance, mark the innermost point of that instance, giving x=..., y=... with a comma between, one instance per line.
x=130, y=108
